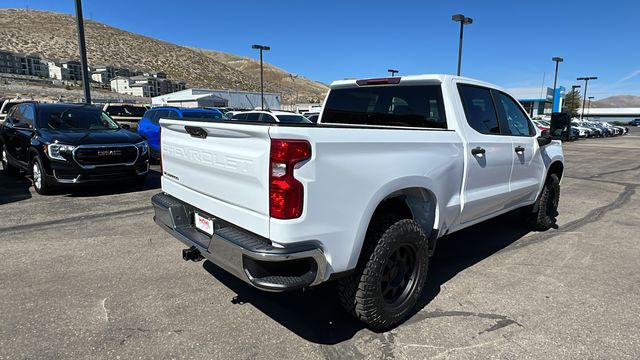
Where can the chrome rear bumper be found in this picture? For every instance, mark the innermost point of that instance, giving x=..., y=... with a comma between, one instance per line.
x=247, y=256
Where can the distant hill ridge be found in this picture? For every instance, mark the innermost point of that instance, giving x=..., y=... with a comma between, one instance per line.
x=618, y=101
x=53, y=35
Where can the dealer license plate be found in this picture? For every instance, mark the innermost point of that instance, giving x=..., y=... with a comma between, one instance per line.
x=203, y=224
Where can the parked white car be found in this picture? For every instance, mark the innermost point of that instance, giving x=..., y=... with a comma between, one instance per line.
x=270, y=117
x=583, y=131
x=362, y=196
x=125, y=114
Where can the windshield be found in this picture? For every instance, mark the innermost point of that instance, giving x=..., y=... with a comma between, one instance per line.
x=293, y=119
x=415, y=106
x=75, y=118
x=126, y=110
x=210, y=115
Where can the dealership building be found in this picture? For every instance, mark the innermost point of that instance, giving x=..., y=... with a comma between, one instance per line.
x=218, y=98
x=539, y=101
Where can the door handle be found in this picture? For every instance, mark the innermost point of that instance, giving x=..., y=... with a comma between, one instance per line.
x=477, y=151
x=519, y=149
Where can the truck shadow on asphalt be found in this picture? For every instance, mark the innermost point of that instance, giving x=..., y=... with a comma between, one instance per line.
x=317, y=316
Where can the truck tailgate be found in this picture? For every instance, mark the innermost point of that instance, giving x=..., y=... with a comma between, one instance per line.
x=220, y=168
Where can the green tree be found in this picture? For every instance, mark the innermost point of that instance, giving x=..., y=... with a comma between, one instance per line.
x=572, y=102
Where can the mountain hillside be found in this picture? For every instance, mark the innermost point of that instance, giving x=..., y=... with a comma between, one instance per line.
x=53, y=35
x=622, y=101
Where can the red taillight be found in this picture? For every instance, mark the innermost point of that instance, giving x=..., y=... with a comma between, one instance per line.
x=285, y=192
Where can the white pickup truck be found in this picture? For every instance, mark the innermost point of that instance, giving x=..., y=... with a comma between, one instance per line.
x=360, y=197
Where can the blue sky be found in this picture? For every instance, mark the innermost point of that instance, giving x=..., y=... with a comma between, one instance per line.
x=510, y=43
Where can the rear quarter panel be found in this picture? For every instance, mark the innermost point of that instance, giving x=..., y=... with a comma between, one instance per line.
x=352, y=170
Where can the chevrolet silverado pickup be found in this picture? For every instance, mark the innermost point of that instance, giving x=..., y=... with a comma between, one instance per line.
x=362, y=196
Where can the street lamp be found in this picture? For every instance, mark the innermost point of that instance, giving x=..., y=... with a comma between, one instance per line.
x=261, y=48
x=463, y=20
x=555, y=80
x=293, y=80
x=589, y=106
x=392, y=72
x=584, y=97
x=86, y=84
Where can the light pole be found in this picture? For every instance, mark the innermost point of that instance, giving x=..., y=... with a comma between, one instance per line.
x=293, y=80
x=392, y=72
x=589, y=106
x=555, y=80
x=261, y=48
x=463, y=20
x=86, y=85
x=584, y=97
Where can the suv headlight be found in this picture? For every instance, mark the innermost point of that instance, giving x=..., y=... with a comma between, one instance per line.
x=143, y=147
x=56, y=151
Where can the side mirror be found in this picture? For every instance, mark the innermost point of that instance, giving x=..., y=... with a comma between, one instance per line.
x=544, y=138
x=560, y=126
x=21, y=125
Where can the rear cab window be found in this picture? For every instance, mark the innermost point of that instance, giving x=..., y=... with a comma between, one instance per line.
x=397, y=105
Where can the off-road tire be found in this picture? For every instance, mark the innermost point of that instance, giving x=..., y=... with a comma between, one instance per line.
x=547, y=206
x=361, y=294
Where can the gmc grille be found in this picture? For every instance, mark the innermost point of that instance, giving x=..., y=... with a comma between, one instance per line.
x=108, y=155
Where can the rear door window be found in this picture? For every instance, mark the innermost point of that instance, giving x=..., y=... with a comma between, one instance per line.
x=267, y=118
x=240, y=117
x=150, y=115
x=160, y=114
x=479, y=109
x=403, y=106
x=24, y=116
x=253, y=116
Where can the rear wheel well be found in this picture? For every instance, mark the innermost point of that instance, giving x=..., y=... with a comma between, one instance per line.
x=417, y=204
x=556, y=168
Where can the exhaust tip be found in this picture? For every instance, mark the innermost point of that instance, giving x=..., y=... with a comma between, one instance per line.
x=192, y=254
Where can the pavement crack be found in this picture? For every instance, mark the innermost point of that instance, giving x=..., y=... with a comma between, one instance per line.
x=592, y=216
x=501, y=320
x=104, y=309
x=615, y=172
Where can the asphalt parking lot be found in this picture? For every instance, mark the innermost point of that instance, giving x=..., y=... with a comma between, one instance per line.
x=89, y=275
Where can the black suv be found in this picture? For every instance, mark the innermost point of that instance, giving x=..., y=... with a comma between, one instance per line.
x=68, y=144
